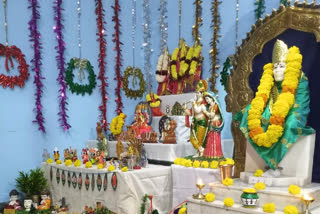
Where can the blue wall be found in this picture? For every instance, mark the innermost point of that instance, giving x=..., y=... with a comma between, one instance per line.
x=21, y=143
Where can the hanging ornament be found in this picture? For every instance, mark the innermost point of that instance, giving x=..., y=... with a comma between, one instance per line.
x=81, y=64
x=51, y=173
x=36, y=62
x=114, y=181
x=87, y=182
x=214, y=43
x=198, y=22
x=102, y=63
x=60, y=63
x=63, y=177
x=80, y=181
x=69, y=179
x=92, y=182
x=58, y=176
x=99, y=182
x=9, y=53
x=260, y=4
x=117, y=48
x=105, y=182
x=146, y=43
x=163, y=23
x=74, y=180
x=163, y=72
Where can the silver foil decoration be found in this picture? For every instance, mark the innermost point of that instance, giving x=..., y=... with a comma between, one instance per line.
x=163, y=24
x=146, y=43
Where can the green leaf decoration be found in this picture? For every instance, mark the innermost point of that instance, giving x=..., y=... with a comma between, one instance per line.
x=225, y=73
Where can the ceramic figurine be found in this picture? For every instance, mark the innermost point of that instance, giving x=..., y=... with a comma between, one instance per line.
x=169, y=133
x=85, y=156
x=56, y=154
x=27, y=204
x=66, y=154
x=14, y=202
x=45, y=201
x=154, y=102
x=120, y=148
x=99, y=131
x=45, y=155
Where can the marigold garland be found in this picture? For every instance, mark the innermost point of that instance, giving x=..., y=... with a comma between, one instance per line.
x=178, y=58
x=281, y=107
x=196, y=164
x=130, y=92
x=204, y=164
x=214, y=165
x=294, y=189
x=228, y=202
x=227, y=182
x=209, y=197
x=269, y=208
x=196, y=59
x=258, y=173
x=290, y=209
x=111, y=168
x=117, y=124
x=259, y=186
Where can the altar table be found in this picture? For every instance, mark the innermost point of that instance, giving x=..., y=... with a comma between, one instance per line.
x=126, y=199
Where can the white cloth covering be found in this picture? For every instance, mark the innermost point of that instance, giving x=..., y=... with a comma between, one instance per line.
x=126, y=199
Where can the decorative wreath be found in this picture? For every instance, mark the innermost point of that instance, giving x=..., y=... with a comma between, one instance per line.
x=81, y=64
x=135, y=72
x=14, y=52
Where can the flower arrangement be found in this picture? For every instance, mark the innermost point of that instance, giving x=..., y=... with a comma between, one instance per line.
x=214, y=165
x=124, y=169
x=281, y=107
x=290, y=210
x=153, y=104
x=117, y=123
x=228, y=202
x=88, y=164
x=185, y=64
x=77, y=163
x=58, y=162
x=227, y=182
x=100, y=166
x=294, y=189
x=209, y=197
x=258, y=173
x=68, y=162
x=196, y=164
x=195, y=59
x=188, y=163
x=49, y=160
x=227, y=161
x=269, y=208
x=177, y=161
x=259, y=186
x=204, y=164
x=111, y=168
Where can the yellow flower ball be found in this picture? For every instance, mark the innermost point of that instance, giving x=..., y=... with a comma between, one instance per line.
x=259, y=186
x=77, y=163
x=258, y=173
x=228, y=202
x=124, y=169
x=182, y=162
x=290, y=210
x=182, y=210
x=111, y=168
x=269, y=208
x=294, y=189
x=88, y=164
x=68, y=162
x=204, y=164
x=196, y=164
x=209, y=197
x=100, y=166
x=188, y=163
x=49, y=160
x=227, y=182
x=223, y=163
x=229, y=161
x=214, y=164
x=249, y=190
x=177, y=161
x=58, y=162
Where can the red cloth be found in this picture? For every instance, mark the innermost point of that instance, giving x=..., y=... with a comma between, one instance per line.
x=213, y=147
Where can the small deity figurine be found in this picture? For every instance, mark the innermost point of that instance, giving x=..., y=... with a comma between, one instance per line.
x=56, y=154
x=45, y=202
x=99, y=131
x=74, y=155
x=140, y=125
x=154, y=102
x=45, y=155
x=120, y=148
x=66, y=154
x=169, y=133
x=27, y=204
x=14, y=202
x=85, y=156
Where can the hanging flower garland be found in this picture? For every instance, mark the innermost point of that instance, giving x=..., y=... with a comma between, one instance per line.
x=117, y=48
x=117, y=123
x=34, y=37
x=281, y=107
x=198, y=21
x=60, y=63
x=102, y=63
x=260, y=9
x=75, y=87
x=135, y=73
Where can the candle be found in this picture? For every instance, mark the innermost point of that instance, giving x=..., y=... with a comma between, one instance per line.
x=307, y=197
x=199, y=182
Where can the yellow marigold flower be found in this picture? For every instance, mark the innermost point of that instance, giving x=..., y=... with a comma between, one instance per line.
x=182, y=210
x=269, y=208
x=124, y=169
x=214, y=164
x=252, y=124
x=49, y=160
x=228, y=202
x=209, y=197
x=229, y=161
x=290, y=210
x=268, y=66
x=227, y=182
x=258, y=173
x=111, y=168
x=68, y=162
x=259, y=186
x=196, y=164
x=58, y=161
x=188, y=163
x=182, y=162
x=223, y=163
x=204, y=164
x=177, y=161
x=294, y=189
x=88, y=164
x=77, y=163
x=100, y=166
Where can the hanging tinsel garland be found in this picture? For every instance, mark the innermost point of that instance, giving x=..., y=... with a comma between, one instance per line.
x=36, y=62
x=146, y=43
x=102, y=63
x=60, y=63
x=215, y=24
x=198, y=22
x=260, y=4
x=117, y=48
x=163, y=25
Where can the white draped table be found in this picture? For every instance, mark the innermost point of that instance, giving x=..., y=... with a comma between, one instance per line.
x=126, y=199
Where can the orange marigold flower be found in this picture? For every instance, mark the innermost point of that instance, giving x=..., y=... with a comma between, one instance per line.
x=277, y=120
x=265, y=98
x=255, y=131
x=288, y=89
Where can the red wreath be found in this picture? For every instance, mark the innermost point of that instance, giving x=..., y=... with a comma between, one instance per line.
x=14, y=52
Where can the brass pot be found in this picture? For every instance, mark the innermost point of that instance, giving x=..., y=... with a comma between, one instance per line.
x=226, y=171
x=35, y=199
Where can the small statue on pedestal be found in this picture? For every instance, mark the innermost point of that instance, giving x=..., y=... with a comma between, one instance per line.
x=56, y=154
x=14, y=202
x=45, y=201
x=169, y=133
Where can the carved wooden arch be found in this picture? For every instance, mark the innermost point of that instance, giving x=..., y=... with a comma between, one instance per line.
x=300, y=16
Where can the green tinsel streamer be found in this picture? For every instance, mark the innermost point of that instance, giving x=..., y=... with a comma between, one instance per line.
x=143, y=205
x=284, y=2
x=260, y=9
x=224, y=73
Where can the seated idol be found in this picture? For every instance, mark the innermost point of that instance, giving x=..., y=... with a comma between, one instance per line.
x=277, y=115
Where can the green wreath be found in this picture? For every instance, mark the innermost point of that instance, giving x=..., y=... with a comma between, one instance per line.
x=81, y=64
x=135, y=72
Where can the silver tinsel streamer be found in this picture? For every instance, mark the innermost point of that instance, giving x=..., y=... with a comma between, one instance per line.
x=79, y=26
x=146, y=42
x=133, y=29
x=163, y=24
